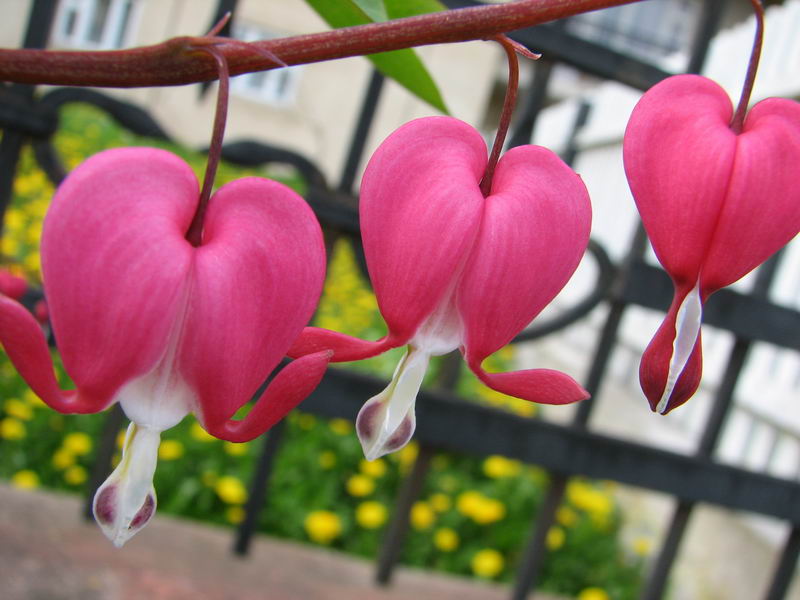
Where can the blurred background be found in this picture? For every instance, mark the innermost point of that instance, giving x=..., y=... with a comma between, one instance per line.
x=599, y=501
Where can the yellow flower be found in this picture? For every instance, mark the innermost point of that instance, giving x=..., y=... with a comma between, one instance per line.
x=306, y=421
x=75, y=475
x=323, y=526
x=327, y=459
x=12, y=429
x=360, y=486
x=25, y=479
x=235, y=449
x=440, y=502
x=555, y=538
x=593, y=593
x=487, y=563
x=642, y=546
x=170, y=450
x=121, y=438
x=341, y=426
x=231, y=490
x=373, y=468
x=78, y=443
x=33, y=399
x=422, y=515
x=479, y=508
x=407, y=454
x=63, y=458
x=497, y=466
x=587, y=498
x=371, y=514
x=200, y=434
x=18, y=409
x=234, y=514
x=446, y=539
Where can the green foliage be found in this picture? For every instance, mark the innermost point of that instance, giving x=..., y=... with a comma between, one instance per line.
x=404, y=66
x=474, y=514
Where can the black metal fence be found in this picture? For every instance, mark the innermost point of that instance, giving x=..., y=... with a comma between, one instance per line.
x=445, y=421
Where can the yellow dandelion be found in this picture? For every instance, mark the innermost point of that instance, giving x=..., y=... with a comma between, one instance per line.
x=593, y=593
x=371, y=514
x=306, y=421
x=497, y=467
x=201, y=435
x=327, y=459
x=446, y=539
x=440, y=502
x=12, y=429
x=33, y=399
x=78, y=442
x=170, y=450
x=566, y=516
x=487, y=563
x=555, y=538
x=63, y=458
x=25, y=479
x=360, y=486
x=230, y=490
x=75, y=475
x=422, y=516
x=18, y=409
x=234, y=514
x=489, y=511
x=642, y=546
x=373, y=468
x=341, y=426
x=323, y=526
x=235, y=449
x=407, y=454
x=467, y=502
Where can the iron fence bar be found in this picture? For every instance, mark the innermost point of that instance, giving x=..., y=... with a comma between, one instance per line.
x=723, y=400
x=40, y=20
x=259, y=487
x=392, y=543
x=784, y=570
x=101, y=465
x=359, y=140
x=710, y=18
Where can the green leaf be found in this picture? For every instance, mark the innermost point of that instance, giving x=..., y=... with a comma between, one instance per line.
x=374, y=9
x=404, y=66
x=397, y=9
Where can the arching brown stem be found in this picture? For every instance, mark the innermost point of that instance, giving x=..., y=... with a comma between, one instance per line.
x=749, y=79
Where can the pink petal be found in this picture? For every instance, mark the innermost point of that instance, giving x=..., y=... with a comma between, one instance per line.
x=255, y=281
x=290, y=387
x=12, y=285
x=344, y=347
x=535, y=229
x=24, y=342
x=679, y=153
x=761, y=211
x=544, y=386
x=654, y=369
x=115, y=264
x=420, y=211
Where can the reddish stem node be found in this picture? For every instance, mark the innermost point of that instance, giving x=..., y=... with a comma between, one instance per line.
x=749, y=79
x=512, y=48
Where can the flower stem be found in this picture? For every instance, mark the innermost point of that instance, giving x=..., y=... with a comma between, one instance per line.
x=509, y=101
x=195, y=232
x=168, y=63
x=749, y=80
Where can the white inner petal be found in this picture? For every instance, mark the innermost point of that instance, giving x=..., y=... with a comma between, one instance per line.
x=687, y=328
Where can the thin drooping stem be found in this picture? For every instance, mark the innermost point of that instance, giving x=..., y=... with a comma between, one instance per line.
x=195, y=233
x=749, y=79
x=509, y=102
x=169, y=63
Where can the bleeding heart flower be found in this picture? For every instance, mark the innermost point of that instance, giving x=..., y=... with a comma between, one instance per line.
x=145, y=319
x=12, y=285
x=715, y=203
x=452, y=269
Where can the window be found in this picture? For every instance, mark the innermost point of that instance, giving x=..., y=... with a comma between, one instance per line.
x=277, y=87
x=94, y=24
x=651, y=30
